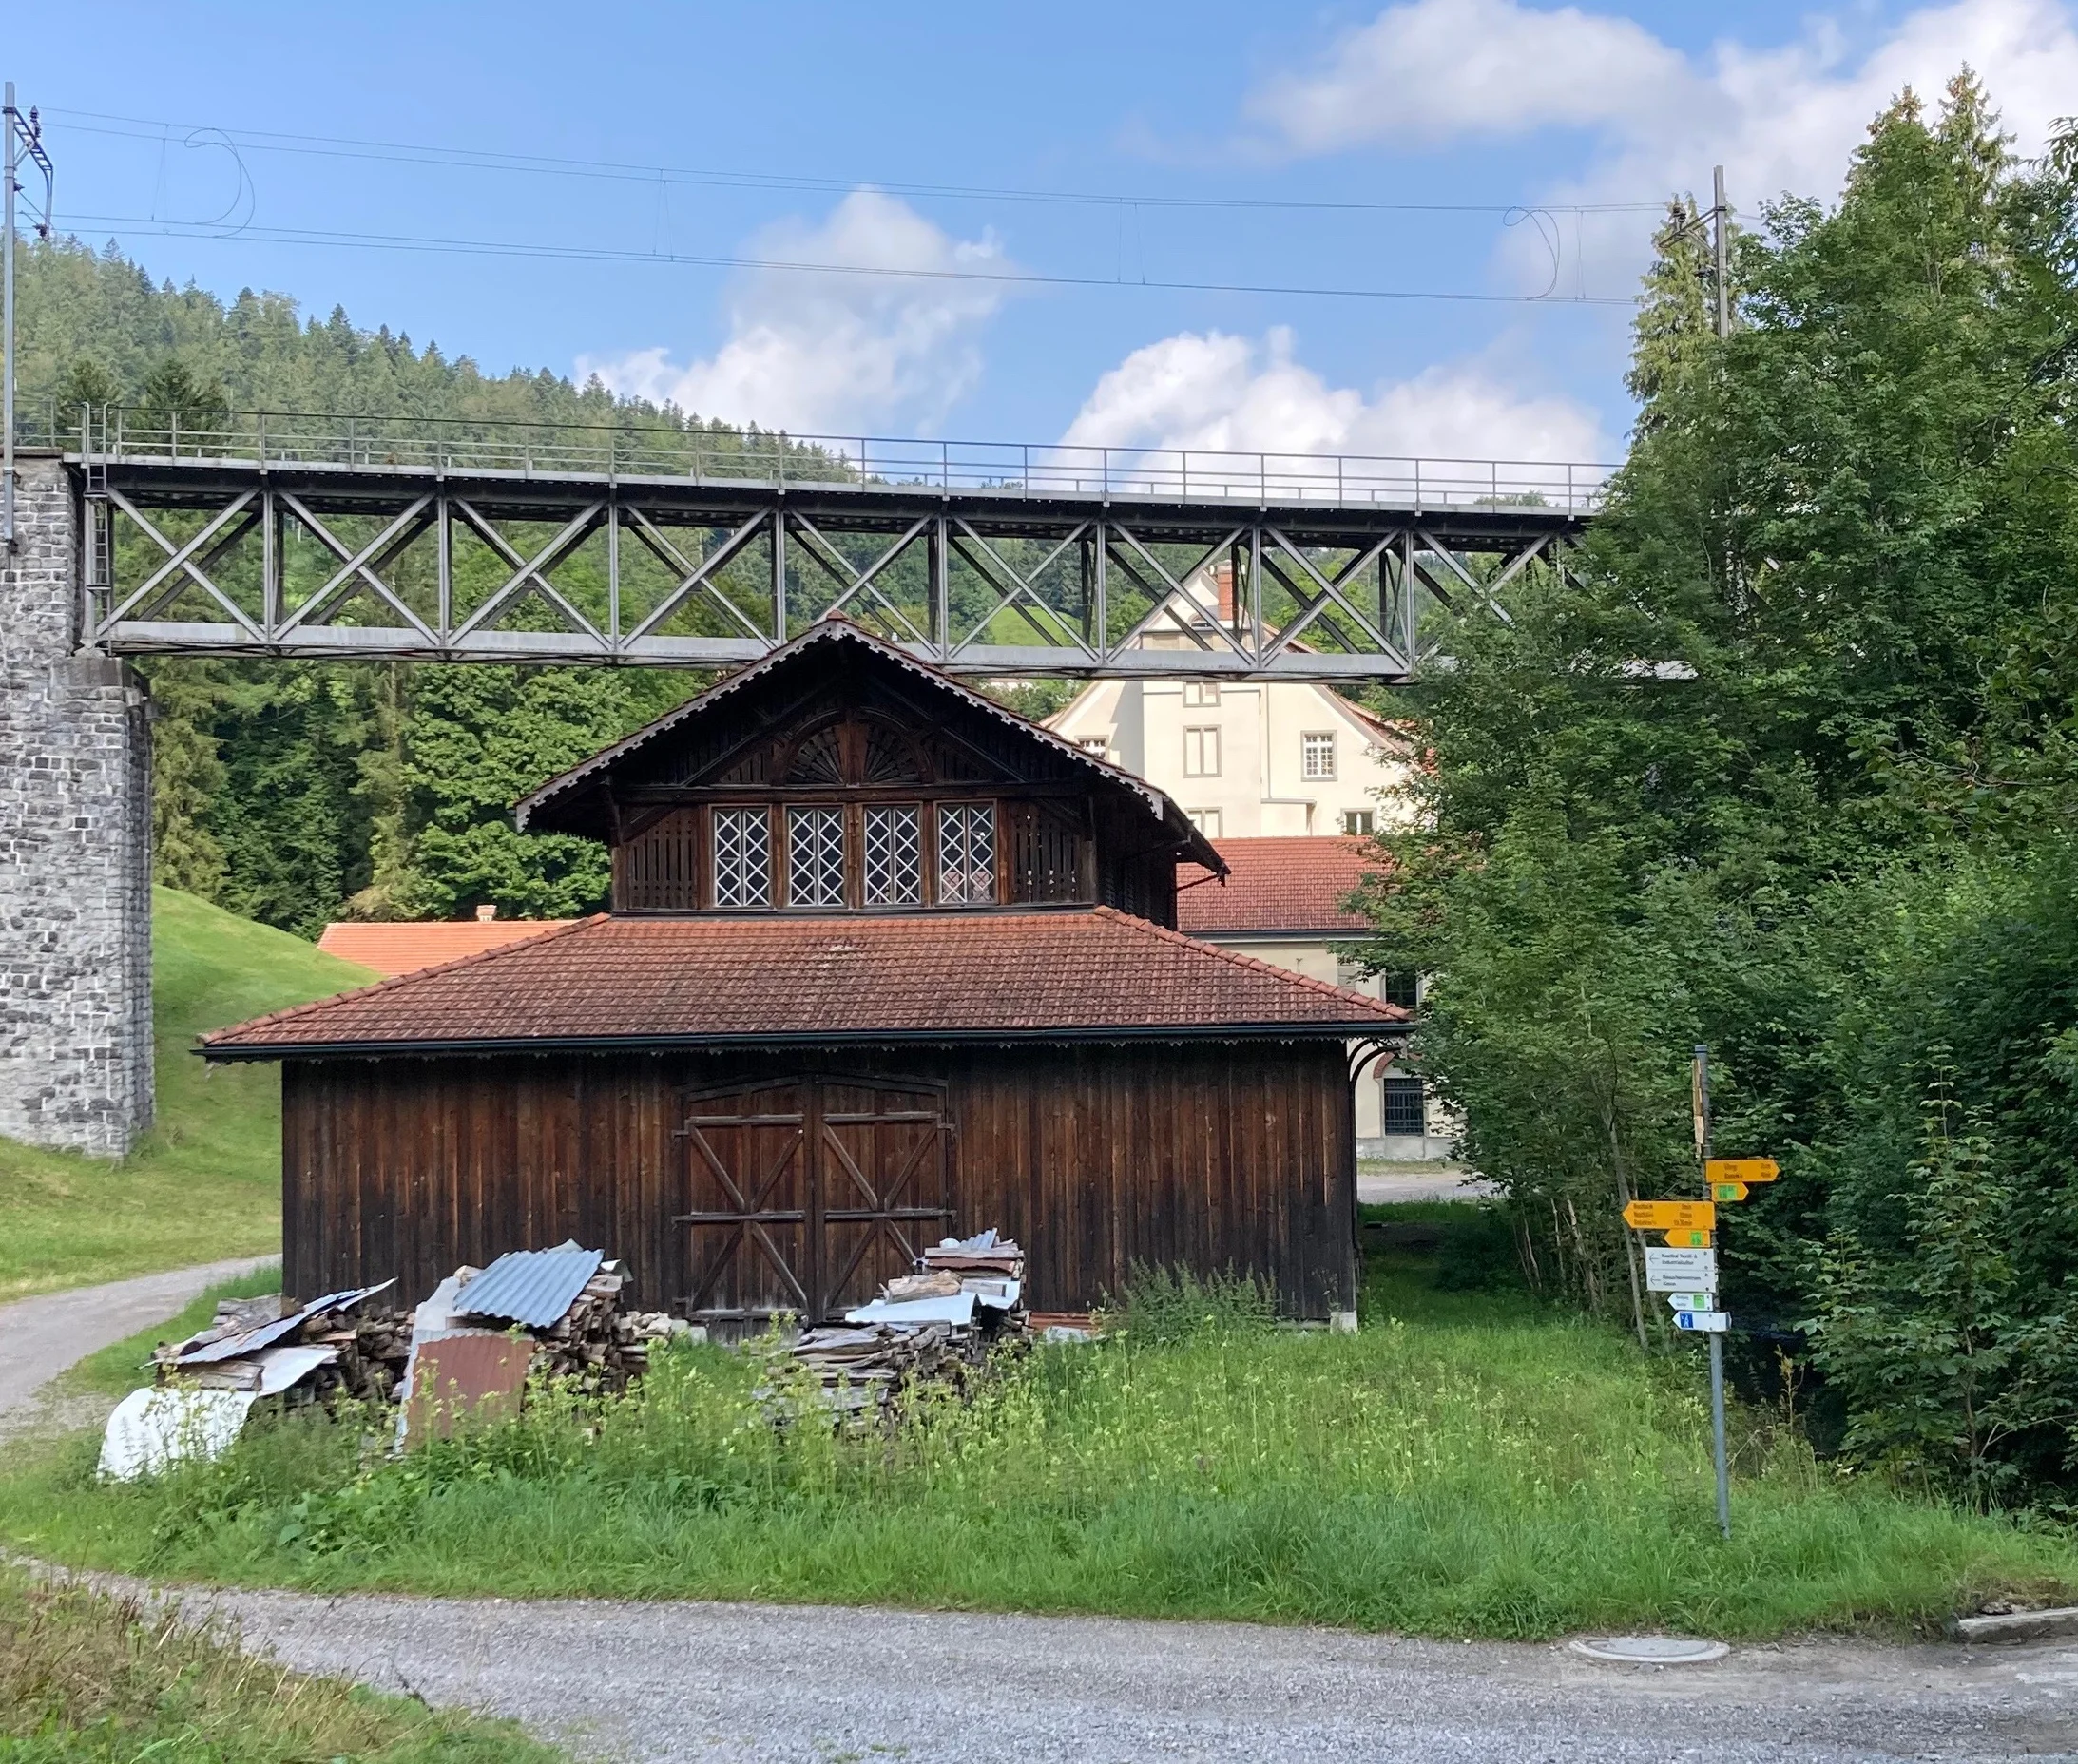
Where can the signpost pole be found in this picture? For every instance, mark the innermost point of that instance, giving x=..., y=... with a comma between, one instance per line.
x=1702, y=1095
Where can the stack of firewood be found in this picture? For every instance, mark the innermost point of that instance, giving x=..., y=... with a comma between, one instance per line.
x=918, y=1331
x=369, y=1348
x=599, y=1342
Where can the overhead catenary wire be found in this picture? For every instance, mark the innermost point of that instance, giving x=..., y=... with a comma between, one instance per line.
x=135, y=225
x=237, y=141
x=344, y=146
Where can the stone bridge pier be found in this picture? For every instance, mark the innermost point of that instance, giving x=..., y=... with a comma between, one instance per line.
x=75, y=849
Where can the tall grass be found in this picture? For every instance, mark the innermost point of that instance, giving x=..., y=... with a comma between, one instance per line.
x=87, y=1680
x=1494, y=1470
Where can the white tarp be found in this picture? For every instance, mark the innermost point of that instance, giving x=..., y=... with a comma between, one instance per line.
x=167, y=1423
x=959, y=1309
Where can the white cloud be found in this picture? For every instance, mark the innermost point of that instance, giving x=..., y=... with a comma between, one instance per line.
x=1784, y=118
x=816, y=352
x=1442, y=69
x=1218, y=392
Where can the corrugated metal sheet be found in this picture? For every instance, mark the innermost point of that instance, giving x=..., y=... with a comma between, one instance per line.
x=252, y=1340
x=531, y=1287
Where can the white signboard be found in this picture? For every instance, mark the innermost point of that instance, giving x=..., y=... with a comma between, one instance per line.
x=1692, y=1301
x=1681, y=1270
x=1703, y=1322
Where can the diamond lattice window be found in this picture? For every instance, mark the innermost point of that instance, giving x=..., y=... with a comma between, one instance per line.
x=894, y=857
x=742, y=859
x=815, y=847
x=967, y=853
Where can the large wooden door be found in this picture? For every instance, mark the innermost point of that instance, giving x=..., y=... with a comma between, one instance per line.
x=805, y=1195
x=882, y=1184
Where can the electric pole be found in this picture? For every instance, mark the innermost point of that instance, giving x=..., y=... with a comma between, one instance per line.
x=1719, y=247
x=25, y=139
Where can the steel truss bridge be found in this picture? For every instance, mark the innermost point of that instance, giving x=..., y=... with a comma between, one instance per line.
x=272, y=534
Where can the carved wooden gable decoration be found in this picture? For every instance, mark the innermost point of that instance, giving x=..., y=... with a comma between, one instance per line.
x=839, y=775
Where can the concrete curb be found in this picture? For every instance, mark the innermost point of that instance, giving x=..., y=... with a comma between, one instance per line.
x=2017, y=1625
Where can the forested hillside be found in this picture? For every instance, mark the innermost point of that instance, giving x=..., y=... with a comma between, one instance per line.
x=297, y=792
x=1841, y=853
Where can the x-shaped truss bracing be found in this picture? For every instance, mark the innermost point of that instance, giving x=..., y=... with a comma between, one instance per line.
x=606, y=573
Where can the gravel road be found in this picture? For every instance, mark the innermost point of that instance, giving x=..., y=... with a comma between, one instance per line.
x=738, y=1683
x=40, y=1337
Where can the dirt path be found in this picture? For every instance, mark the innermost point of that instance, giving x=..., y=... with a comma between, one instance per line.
x=40, y=1337
x=749, y=1685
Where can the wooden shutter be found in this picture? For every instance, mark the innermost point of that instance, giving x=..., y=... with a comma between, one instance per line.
x=658, y=870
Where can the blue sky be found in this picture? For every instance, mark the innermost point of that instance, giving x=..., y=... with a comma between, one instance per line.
x=805, y=133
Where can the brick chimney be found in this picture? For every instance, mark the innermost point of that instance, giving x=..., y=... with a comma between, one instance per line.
x=1223, y=575
x=485, y=914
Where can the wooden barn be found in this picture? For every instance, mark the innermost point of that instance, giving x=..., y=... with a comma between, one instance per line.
x=885, y=962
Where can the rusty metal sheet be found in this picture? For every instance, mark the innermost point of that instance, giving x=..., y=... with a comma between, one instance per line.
x=471, y=1378
x=532, y=1288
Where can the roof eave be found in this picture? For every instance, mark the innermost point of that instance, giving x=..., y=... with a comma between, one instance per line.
x=1338, y=1030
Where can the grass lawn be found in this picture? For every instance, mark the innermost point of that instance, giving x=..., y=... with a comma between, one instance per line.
x=1471, y=1464
x=87, y=1680
x=207, y=1182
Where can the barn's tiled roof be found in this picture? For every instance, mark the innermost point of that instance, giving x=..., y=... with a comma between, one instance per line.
x=403, y=947
x=1277, y=885
x=687, y=981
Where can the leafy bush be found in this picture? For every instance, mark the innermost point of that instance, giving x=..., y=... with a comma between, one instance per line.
x=1949, y=1373
x=1168, y=1304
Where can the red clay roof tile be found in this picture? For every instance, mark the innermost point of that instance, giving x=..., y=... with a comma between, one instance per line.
x=1277, y=885
x=404, y=945
x=828, y=978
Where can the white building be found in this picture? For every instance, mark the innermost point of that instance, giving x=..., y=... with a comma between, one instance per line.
x=1243, y=759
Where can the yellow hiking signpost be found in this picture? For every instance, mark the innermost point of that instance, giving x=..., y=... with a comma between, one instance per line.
x=1688, y=1228
x=1686, y=1269
x=1671, y=1215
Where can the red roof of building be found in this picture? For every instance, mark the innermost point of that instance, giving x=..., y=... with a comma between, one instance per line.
x=403, y=947
x=1295, y=884
x=1095, y=973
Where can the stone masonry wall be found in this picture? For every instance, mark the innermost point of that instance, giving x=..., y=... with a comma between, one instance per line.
x=75, y=852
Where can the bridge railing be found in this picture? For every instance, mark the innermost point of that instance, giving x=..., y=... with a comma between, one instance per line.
x=1035, y=470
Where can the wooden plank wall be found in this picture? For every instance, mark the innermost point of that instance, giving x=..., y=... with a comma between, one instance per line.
x=1203, y=1155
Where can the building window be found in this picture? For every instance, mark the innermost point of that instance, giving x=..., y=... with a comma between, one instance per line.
x=1205, y=821
x=966, y=855
x=1400, y=985
x=1096, y=745
x=1201, y=694
x=1403, y=1106
x=1201, y=753
x=814, y=857
x=742, y=859
x=1317, y=755
x=894, y=857
x=1360, y=821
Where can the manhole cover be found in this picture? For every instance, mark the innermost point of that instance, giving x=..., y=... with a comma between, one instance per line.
x=1650, y=1650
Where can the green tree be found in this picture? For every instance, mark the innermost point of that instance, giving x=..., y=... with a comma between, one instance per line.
x=1851, y=527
